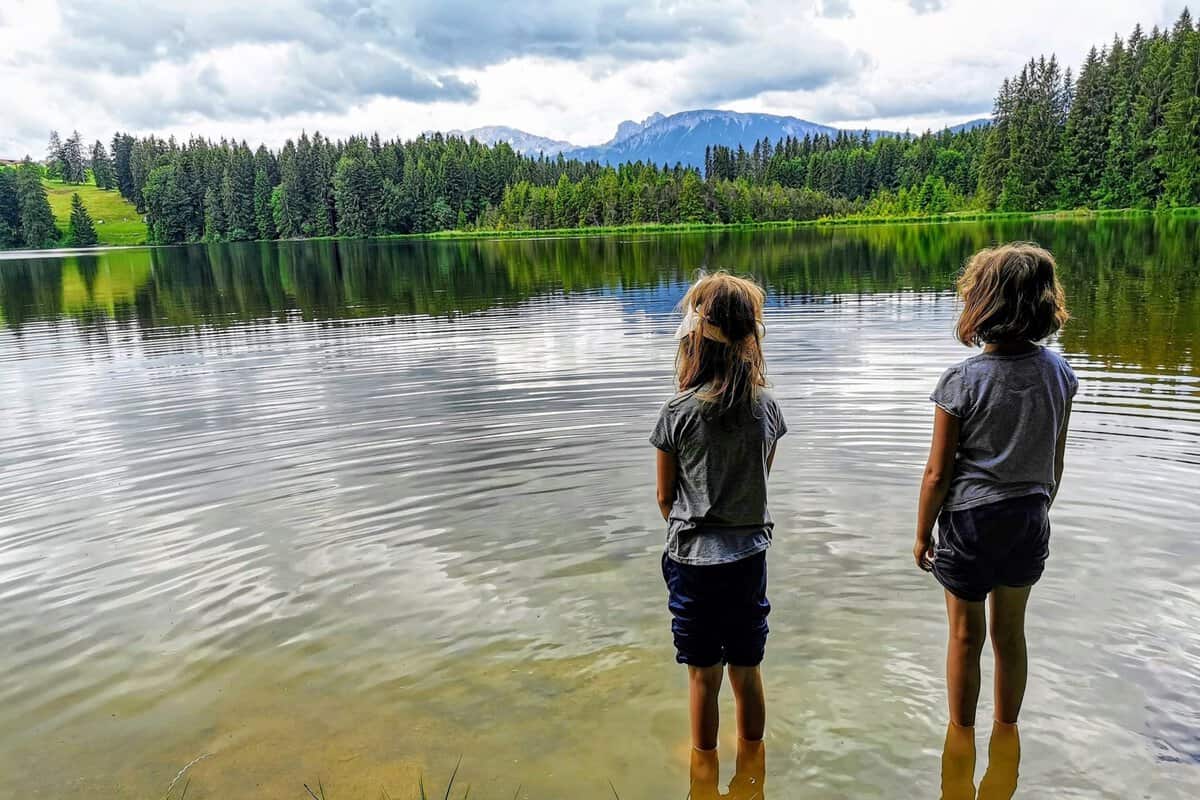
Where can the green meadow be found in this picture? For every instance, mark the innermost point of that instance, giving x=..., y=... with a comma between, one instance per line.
x=117, y=220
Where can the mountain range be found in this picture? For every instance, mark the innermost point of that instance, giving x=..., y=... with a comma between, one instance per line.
x=679, y=137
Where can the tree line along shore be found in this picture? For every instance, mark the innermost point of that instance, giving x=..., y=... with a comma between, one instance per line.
x=1121, y=134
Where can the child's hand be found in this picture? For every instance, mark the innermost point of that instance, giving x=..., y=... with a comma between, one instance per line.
x=923, y=553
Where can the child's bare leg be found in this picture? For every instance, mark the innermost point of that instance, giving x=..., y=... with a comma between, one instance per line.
x=704, y=688
x=751, y=704
x=1008, y=643
x=968, y=630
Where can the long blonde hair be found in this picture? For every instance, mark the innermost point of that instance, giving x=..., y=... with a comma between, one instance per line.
x=721, y=356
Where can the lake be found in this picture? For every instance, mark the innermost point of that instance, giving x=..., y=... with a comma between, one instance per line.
x=346, y=511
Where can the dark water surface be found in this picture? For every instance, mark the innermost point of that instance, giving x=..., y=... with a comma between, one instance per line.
x=350, y=510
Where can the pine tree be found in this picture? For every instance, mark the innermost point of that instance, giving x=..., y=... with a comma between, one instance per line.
x=56, y=166
x=214, y=216
x=358, y=185
x=1086, y=135
x=264, y=220
x=1115, y=190
x=1179, y=151
x=102, y=168
x=691, y=197
x=10, y=210
x=168, y=209
x=122, y=150
x=81, y=232
x=74, y=170
x=1154, y=89
x=37, y=220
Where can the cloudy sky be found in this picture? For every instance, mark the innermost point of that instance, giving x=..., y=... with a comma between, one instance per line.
x=264, y=70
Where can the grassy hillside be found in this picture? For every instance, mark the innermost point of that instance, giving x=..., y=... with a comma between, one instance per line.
x=117, y=221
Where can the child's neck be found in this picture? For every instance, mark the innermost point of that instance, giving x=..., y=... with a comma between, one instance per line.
x=1009, y=348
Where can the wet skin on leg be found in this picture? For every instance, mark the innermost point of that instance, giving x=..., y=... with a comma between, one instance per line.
x=751, y=703
x=704, y=689
x=968, y=631
x=1008, y=643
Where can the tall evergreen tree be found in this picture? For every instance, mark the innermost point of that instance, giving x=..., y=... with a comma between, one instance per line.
x=74, y=170
x=264, y=221
x=56, y=166
x=81, y=232
x=37, y=220
x=1085, y=137
x=102, y=168
x=358, y=184
x=122, y=151
x=1179, y=151
x=168, y=208
x=10, y=210
x=1147, y=119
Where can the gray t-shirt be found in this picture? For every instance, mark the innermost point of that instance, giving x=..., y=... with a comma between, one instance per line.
x=720, y=511
x=1011, y=409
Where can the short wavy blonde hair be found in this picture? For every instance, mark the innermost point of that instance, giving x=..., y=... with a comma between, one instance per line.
x=1010, y=293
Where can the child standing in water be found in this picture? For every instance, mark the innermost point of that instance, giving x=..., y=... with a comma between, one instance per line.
x=716, y=441
x=995, y=465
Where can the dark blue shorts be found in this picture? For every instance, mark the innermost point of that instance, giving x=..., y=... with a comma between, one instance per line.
x=719, y=612
x=999, y=544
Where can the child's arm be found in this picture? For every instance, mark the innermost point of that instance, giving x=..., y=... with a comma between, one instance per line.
x=1060, y=453
x=666, y=482
x=939, y=469
x=771, y=456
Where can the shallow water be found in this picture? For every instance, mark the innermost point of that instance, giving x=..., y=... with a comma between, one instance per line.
x=347, y=511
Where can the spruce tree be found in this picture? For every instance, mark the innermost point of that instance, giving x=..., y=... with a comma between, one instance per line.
x=264, y=221
x=102, y=168
x=56, y=167
x=74, y=170
x=214, y=216
x=122, y=150
x=1085, y=138
x=358, y=185
x=37, y=220
x=81, y=232
x=10, y=210
x=1146, y=121
x=168, y=208
x=1179, y=152
x=1115, y=189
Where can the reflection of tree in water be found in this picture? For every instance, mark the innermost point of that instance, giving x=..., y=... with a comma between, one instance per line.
x=1132, y=284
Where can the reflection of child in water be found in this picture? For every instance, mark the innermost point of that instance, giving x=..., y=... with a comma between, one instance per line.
x=958, y=763
x=748, y=782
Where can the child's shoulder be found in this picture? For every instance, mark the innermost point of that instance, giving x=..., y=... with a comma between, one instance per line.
x=680, y=400
x=767, y=398
x=983, y=366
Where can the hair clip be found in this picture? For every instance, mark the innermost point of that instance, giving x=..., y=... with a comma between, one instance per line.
x=693, y=320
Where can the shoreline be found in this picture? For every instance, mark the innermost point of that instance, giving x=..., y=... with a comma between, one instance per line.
x=654, y=228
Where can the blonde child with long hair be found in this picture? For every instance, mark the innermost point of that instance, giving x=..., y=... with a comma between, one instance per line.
x=716, y=441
